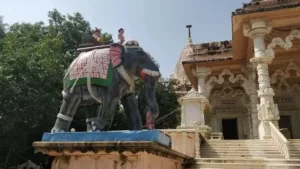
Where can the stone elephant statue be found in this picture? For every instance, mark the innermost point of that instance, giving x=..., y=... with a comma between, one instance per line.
x=100, y=78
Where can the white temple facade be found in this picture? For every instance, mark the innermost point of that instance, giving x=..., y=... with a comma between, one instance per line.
x=252, y=82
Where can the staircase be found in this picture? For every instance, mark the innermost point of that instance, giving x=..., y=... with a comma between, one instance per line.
x=246, y=154
x=240, y=148
x=294, y=148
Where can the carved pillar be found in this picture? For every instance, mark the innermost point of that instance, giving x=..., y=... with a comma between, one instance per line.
x=267, y=110
x=201, y=73
x=252, y=92
x=184, y=137
x=182, y=116
x=197, y=141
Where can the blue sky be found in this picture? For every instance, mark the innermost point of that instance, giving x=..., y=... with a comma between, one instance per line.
x=159, y=25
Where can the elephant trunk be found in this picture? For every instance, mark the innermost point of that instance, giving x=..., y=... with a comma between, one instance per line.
x=153, y=110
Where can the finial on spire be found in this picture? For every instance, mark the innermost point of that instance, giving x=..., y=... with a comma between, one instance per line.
x=189, y=28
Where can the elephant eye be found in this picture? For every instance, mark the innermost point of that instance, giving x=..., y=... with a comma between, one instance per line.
x=141, y=53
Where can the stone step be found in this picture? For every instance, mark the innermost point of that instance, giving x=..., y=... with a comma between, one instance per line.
x=233, y=142
x=213, y=142
x=260, y=143
x=245, y=163
x=240, y=141
x=241, y=145
x=243, y=166
x=248, y=160
x=233, y=146
x=294, y=140
x=247, y=154
x=241, y=155
x=239, y=148
x=241, y=151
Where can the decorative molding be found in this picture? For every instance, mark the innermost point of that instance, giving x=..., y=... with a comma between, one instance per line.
x=232, y=111
x=266, y=92
x=228, y=91
x=257, y=28
x=105, y=148
x=229, y=100
x=220, y=80
x=201, y=72
x=261, y=59
x=283, y=74
x=288, y=88
x=287, y=44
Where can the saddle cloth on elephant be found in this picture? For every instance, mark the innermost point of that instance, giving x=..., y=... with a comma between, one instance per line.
x=97, y=65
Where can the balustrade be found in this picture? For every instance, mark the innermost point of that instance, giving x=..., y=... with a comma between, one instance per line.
x=279, y=139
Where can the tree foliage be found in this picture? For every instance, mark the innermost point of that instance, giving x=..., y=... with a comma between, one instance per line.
x=33, y=59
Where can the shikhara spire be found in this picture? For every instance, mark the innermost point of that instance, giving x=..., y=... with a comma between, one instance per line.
x=189, y=35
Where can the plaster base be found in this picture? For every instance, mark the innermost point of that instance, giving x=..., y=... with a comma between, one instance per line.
x=115, y=161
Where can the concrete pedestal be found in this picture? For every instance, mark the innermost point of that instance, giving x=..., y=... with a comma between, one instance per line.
x=110, y=150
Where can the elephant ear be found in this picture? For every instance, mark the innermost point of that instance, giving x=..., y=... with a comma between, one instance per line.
x=116, y=53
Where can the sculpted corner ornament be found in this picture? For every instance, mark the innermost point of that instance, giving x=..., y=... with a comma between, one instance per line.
x=267, y=111
x=287, y=44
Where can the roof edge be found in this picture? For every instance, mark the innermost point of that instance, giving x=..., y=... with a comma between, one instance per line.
x=240, y=11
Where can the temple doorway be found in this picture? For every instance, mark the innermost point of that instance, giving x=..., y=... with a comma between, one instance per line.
x=285, y=122
x=230, y=129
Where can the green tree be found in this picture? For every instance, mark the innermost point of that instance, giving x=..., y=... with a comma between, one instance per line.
x=33, y=60
x=31, y=72
x=2, y=28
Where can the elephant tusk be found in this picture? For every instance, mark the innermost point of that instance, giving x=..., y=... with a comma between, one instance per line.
x=151, y=72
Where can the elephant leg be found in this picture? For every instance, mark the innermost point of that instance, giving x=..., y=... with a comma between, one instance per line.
x=67, y=110
x=108, y=108
x=132, y=112
x=94, y=121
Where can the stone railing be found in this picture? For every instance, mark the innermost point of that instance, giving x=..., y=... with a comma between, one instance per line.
x=217, y=136
x=279, y=139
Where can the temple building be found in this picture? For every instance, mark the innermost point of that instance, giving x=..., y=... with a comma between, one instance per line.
x=254, y=78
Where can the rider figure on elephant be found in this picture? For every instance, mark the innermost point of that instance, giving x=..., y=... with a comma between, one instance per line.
x=97, y=35
x=121, y=36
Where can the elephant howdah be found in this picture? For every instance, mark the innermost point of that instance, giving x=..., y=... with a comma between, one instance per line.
x=95, y=64
x=100, y=78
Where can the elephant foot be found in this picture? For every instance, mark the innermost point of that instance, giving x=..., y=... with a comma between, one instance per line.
x=94, y=125
x=62, y=124
x=56, y=130
x=150, y=121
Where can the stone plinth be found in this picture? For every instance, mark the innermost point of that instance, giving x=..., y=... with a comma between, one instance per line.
x=111, y=150
x=185, y=140
x=192, y=109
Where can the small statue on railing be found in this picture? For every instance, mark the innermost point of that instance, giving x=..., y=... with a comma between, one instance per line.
x=121, y=36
